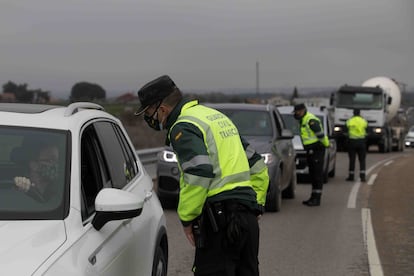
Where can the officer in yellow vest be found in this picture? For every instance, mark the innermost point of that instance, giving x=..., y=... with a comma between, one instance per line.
x=223, y=181
x=314, y=142
x=356, y=126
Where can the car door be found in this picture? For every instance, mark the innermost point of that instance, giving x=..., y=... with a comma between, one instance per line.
x=128, y=248
x=332, y=144
x=113, y=250
x=285, y=149
x=106, y=250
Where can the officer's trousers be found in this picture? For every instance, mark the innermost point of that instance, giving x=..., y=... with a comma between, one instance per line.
x=357, y=147
x=315, y=158
x=222, y=256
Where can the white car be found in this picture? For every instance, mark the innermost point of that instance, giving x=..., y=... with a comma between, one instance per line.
x=409, y=138
x=87, y=209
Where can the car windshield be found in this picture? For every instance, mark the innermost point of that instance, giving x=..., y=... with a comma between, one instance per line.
x=360, y=100
x=293, y=124
x=32, y=173
x=250, y=122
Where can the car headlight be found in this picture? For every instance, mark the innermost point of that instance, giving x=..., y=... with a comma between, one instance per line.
x=168, y=156
x=377, y=130
x=337, y=129
x=268, y=158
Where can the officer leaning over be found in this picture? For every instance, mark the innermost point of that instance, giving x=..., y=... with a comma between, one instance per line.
x=314, y=142
x=357, y=127
x=223, y=181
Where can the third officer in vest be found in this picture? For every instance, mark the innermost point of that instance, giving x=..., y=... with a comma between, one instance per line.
x=356, y=144
x=315, y=143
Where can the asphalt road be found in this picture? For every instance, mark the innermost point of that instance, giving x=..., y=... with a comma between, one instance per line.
x=334, y=238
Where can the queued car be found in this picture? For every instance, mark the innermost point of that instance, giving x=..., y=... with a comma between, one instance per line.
x=409, y=138
x=302, y=168
x=262, y=126
x=101, y=216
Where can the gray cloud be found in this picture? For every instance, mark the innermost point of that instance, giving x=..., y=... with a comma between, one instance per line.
x=207, y=45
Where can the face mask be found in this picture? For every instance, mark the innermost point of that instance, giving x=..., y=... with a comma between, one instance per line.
x=48, y=171
x=152, y=120
x=153, y=123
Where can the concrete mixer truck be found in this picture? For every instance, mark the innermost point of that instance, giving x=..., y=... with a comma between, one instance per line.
x=379, y=100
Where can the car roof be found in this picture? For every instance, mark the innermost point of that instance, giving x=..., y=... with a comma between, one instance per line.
x=316, y=110
x=49, y=116
x=241, y=106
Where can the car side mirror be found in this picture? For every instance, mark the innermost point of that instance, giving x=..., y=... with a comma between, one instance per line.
x=114, y=204
x=286, y=134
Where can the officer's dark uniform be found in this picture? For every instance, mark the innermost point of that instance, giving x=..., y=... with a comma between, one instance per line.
x=314, y=142
x=356, y=144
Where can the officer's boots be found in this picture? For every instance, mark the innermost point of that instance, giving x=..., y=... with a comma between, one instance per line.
x=362, y=176
x=350, y=176
x=314, y=200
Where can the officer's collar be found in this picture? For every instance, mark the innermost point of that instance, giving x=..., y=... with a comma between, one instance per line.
x=172, y=117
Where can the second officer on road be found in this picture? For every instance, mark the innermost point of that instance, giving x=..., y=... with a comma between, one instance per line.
x=314, y=142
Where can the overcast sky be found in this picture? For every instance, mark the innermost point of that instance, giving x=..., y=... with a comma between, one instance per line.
x=207, y=45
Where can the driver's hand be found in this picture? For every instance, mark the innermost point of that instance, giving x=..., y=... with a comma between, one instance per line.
x=22, y=183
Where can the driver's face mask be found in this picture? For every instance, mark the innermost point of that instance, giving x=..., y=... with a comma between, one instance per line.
x=48, y=170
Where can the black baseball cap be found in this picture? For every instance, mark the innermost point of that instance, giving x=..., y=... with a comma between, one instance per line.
x=299, y=107
x=154, y=91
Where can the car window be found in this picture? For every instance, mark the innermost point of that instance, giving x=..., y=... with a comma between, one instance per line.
x=107, y=160
x=251, y=122
x=118, y=155
x=93, y=171
x=33, y=173
x=279, y=123
x=291, y=123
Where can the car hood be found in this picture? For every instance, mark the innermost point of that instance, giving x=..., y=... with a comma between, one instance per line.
x=410, y=135
x=262, y=144
x=25, y=245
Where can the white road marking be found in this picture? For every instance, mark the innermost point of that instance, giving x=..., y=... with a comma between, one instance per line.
x=355, y=188
x=378, y=164
x=353, y=195
x=375, y=267
x=372, y=178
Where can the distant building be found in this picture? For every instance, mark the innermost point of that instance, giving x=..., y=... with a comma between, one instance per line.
x=313, y=101
x=278, y=101
x=127, y=98
x=7, y=97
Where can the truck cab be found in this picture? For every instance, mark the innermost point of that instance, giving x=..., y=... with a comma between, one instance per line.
x=379, y=99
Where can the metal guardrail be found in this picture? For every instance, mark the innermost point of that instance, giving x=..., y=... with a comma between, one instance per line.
x=148, y=158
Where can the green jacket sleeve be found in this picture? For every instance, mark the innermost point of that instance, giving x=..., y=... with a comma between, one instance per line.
x=196, y=171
